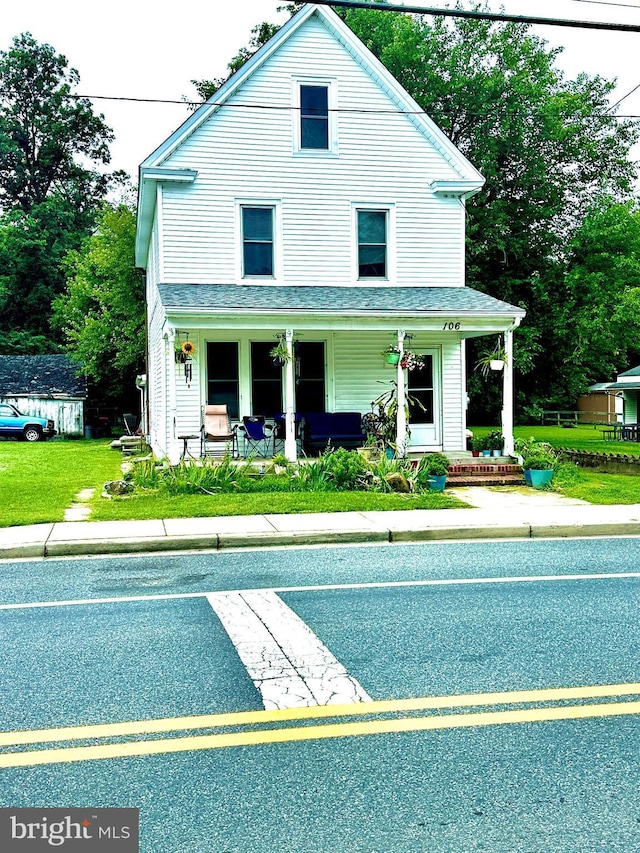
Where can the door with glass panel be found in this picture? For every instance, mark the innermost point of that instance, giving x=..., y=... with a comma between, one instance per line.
x=424, y=405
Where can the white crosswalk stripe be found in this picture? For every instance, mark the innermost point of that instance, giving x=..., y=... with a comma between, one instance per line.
x=285, y=660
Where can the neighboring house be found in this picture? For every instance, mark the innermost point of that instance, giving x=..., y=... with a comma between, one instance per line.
x=599, y=406
x=46, y=386
x=627, y=386
x=311, y=200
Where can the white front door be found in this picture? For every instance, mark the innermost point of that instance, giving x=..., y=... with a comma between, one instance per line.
x=424, y=412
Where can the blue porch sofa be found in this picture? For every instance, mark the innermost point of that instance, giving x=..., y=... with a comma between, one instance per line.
x=332, y=429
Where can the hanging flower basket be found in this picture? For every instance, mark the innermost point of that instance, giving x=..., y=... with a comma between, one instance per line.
x=391, y=355
x=411, y=361
x=496, y=364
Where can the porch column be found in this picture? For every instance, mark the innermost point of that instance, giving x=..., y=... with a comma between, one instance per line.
x=401, y=415
x=290, y=449
x=173, y=451
x=507, y=394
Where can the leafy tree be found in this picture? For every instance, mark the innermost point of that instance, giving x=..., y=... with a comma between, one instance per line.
x=102, y=313
x=603, y=290
x=48, y=197
x=44, y=128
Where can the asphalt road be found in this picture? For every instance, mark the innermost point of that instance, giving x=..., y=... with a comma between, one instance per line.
x=137, y=640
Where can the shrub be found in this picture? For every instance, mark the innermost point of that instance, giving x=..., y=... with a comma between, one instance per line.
x=539, y=459
x=435, y=464
x=345, y=468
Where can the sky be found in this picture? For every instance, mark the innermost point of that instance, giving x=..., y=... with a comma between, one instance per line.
x=140, y=49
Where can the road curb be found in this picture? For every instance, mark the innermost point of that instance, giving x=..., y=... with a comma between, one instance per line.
x=50, y=547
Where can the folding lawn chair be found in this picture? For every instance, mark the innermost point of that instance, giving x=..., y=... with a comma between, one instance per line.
x=216, y=433
x=257, y=435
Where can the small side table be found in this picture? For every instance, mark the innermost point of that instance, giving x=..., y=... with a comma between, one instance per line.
x=185, y=445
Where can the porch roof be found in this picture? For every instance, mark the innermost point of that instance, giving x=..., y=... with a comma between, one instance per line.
x=265, y=298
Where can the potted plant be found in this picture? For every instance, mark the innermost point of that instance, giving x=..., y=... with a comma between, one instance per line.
x=494, y=359
x=434, y=467
x=411, y=361
x=280, y=353
x=495, y=442
x=477, y=445
x=391, y=354
x=538, y=464
x=382, y=420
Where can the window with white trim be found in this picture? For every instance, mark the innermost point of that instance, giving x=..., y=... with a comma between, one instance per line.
x=314, y=117
x=372, y=237
x=257, y=241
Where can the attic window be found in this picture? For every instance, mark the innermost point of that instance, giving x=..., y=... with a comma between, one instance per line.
x=314, y=117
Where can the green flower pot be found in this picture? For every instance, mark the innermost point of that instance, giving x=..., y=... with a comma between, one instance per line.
x=393, y=357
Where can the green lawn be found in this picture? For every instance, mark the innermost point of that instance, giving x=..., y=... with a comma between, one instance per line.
x=596, y=486
x=582, y=437
x=195, y=506
x=38, y=481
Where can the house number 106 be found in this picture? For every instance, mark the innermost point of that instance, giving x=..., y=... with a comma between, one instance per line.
x=451, y=327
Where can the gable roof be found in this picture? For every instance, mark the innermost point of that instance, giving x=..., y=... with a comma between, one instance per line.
x=469, y=179
x=40, y=376
x=635, y=371
x=335, y=25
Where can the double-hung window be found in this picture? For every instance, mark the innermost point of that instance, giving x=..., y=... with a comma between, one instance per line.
x=257, y=241
x=372, y=229
x=314, y=117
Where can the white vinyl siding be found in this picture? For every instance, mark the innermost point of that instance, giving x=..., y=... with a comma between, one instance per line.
x=631, y=407
x=246, y=152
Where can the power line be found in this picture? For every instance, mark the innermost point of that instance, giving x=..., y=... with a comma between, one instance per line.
x=349, y=110
x=607, y=3
x=483, y=16
x=624, y=97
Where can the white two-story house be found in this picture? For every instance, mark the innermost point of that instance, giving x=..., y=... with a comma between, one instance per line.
x=310, y=200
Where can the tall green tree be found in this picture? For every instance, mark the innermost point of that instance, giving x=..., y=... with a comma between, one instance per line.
x=101, y=315
x=52, y=182
x=603, y=291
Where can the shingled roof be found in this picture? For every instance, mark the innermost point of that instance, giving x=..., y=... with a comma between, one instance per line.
x=40, y=376
x=333, y=300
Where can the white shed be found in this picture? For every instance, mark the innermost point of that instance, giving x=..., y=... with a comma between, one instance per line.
x=47, y=386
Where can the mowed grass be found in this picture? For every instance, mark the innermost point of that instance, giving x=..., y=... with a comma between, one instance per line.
x=156, y=505
x=582, y=437
x=597, y=487
x=38, y=481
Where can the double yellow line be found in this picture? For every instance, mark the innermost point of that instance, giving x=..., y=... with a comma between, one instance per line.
x=385, y=713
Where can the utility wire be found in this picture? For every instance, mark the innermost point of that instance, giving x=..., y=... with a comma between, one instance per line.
x=624, y=97
x=606, y=3
x=349, y=110
x=483, y=16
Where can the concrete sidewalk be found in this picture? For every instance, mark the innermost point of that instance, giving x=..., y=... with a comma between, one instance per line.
x=497, y=514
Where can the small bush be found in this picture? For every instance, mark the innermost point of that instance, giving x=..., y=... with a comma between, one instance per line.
x=346, y=469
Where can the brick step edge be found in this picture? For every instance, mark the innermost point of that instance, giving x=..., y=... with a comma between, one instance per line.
x=486, y=480
x=480, y=469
